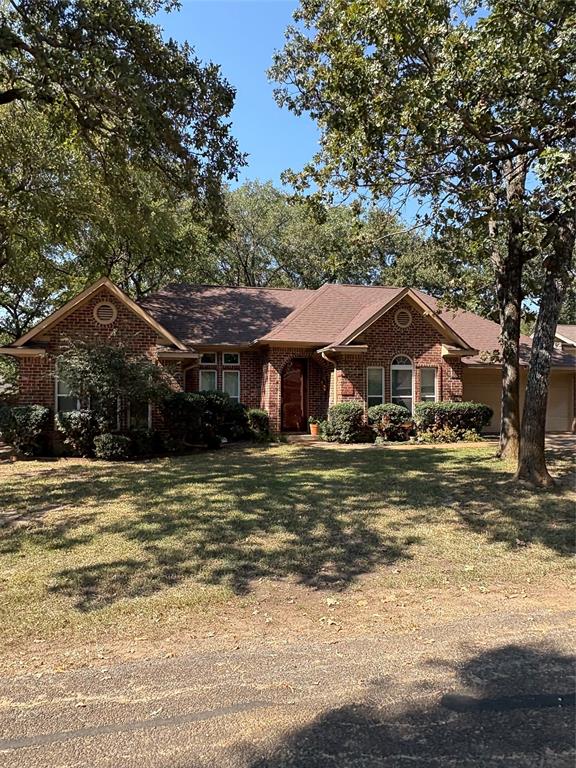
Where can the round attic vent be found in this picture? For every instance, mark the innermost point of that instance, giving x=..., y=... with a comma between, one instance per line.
x=403, y=318
x=105, y=313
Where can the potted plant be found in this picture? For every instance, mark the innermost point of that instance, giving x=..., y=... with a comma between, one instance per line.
x=314, y=426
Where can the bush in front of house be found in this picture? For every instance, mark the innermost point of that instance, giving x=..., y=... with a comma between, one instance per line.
x=111, y=447
x=345, y=424
x=27, y=428
x=259, y=424
x=146, y=442
x=448, y=421
x=203, y=418
x=79, y=429
x=388, y=421
x=183, y=417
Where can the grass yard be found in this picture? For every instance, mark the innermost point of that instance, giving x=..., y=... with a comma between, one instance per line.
x=90, y=550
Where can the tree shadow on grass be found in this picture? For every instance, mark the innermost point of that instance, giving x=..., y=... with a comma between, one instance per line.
x=512, y=706
x=321, y=516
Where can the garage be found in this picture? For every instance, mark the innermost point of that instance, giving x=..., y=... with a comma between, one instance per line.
x=482, y=385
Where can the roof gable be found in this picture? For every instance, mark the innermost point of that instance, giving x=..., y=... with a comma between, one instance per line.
x=82, y=297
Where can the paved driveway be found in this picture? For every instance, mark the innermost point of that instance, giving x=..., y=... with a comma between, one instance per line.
x=486, y=692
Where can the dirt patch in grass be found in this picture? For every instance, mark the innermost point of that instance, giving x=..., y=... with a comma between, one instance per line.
x=269, y=540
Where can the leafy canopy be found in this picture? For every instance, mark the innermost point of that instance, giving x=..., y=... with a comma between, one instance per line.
x=104, y=70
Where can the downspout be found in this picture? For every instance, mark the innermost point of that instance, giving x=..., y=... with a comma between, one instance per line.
x=329, y=360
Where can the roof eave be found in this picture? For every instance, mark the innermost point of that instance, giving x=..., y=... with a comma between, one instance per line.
x=346, y=348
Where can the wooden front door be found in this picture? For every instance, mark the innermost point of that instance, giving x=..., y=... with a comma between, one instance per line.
x=294, y=396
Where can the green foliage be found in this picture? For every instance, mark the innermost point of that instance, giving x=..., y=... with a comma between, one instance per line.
x=195, y=418
x=279, y=240
x=27, y=428
x=79, y=429
x=259, y=424
x=345, y=424
x=183, y=417
x=146, y=442
x=106, y=374
x=104, y=72
x=112, y=447
x=451, y=419
x=387, y=420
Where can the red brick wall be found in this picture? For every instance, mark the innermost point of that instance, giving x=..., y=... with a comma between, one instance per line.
x=421, y=342
x=250, y=375
x=317, y=382
x=37, y=375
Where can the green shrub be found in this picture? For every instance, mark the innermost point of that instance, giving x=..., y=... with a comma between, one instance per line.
x=112, y=447
x=79, y=429
x=345, y=424
x=387, y=420
x=183, y=414
x=259, y=424
x=195, y=418
x=27, y=428
x=451, y=419
x=146, y=442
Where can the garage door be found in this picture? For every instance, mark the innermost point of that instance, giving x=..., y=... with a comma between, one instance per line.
x=560, y=402
x=483, y=386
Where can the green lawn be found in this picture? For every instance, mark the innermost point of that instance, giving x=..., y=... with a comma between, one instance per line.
x=90, y=548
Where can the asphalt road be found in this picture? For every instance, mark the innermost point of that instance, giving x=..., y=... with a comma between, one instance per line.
x=493, y=691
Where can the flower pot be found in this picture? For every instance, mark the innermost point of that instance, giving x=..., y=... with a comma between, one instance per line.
x=315, y=430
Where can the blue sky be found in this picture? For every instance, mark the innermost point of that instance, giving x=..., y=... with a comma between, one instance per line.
x=241, y=36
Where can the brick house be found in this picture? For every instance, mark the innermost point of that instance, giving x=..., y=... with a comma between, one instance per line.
x=292, y=352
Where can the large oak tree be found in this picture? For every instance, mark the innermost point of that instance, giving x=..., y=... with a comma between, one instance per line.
x=462, y=104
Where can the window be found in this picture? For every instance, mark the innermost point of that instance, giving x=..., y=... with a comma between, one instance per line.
x=375, y=382
x=231, y=358
x=139, y=414
x=208, y=358
x=428, y=384
x=402, y=381
x=207, y=381
x=64, y=400
x=231, y=384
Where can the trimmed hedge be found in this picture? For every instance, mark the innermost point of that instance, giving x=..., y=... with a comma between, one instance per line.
x=79, y=429
x=259, y=424
x=112, y=447
x=345, y=424
x=387, y=420
x=27, y=428
x=459, y=417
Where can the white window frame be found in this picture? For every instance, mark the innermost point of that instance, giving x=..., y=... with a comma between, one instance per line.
x=428, y=368
x=383, y=380
x=57, y=397
x=128, y=415
x=207, y=370
x=237, y=374
x=397, y=367
x=213, y=362
x=230, y=353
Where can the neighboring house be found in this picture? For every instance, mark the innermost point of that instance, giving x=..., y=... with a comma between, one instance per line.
x=565, y=338
x=292, y=352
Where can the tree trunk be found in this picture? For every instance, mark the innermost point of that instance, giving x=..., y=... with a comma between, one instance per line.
x=532, y=460
x=509, y=293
